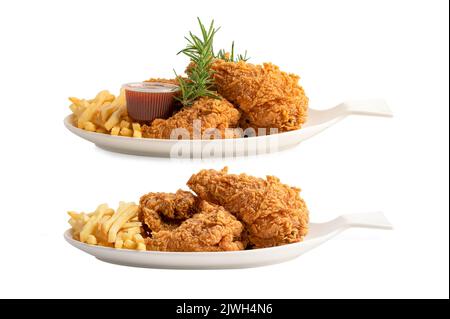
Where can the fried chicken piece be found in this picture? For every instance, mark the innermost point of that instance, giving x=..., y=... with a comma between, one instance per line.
x=268, y=97
x=161, y=80
x=181, y=222
x=165, y=211
x=207, y=118
x=273, y=213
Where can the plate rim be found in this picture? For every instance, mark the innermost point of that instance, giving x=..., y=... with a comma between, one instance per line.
x=68, y=237
x=71, y=127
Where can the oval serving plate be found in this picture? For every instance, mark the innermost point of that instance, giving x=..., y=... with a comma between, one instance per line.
x=318, y=234
x=318, y=120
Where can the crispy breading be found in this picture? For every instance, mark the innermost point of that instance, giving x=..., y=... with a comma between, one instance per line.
x=206, y=113
x=273, y=213
x=166, y=211
x=267, y=96
x=181, y=222
x=211, y=229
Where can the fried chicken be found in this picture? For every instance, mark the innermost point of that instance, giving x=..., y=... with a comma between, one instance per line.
x=161, y=80
x=268, y=97
x=182, y=222
x=197, y=121
x=165, y=211
x=273, y=213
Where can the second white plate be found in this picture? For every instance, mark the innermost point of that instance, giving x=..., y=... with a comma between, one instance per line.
x=318, y=234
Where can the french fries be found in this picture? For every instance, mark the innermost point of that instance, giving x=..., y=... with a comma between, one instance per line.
x=105, y=113
x=109, y=228
x=126, y=132
x=93, y=221
x=129, y=211
x=136, y=130
x=115, y=130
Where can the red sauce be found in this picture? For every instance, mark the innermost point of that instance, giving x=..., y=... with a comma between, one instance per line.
x=149, y=100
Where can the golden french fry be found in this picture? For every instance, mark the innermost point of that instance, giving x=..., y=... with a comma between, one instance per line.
x=103, y=219
x=133, y=230
x=141, y=246
x=138, y=238
x=76, y=110
x=75, y=100
x=136, y=127
x=99, y=232
x=74, y=215
x=109, y=212
x=115, y=130
x=102, y=97
x=129, y=244
x=132, y=225
x=126, y=214
x=92, y=223
x=89, y=126
x=91, y=240
x=120, y=99
x=125, y=236
x=107, y=111
x=137, y=134
x=115, y=117
x=92, y=108
x=96, y=120
x=118, y=243
x=125, y=124
x=87, y=115
x=77, y=221
x=126, y=132
x=77, y=106
x=107, y=224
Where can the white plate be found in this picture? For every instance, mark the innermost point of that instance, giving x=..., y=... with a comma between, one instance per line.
x=318, y=234
x=317, y=122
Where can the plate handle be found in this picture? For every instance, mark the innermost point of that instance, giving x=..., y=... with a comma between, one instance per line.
x=367, y=220
x=373, y=107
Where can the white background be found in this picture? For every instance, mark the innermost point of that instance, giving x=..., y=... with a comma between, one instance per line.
x=397, y=50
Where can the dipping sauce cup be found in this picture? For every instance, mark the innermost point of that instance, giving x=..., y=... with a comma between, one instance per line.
x=147, y=101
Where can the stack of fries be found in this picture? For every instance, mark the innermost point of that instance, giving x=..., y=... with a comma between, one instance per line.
x=109, y=228
x=104, y=114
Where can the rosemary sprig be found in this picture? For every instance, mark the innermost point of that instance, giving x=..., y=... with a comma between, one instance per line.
x=229, y=57
x=200, y=51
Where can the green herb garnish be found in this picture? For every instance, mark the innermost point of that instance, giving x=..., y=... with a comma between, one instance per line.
x=229, y=57
x=200, y=81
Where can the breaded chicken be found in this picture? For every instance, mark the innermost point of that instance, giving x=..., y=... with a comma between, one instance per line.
x=268, y=97
x=166, y=211
x=207, y=118
x=180, y=222
x=273, y=213
x=212, y=228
